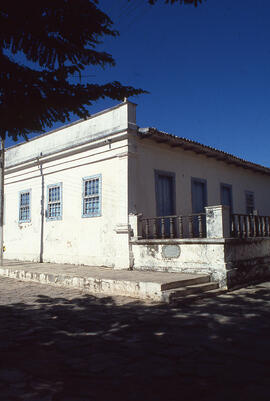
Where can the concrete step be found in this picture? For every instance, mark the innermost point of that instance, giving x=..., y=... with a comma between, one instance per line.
x=189, y=291
x=154, y=286
x=187, y=282
x=199, y=296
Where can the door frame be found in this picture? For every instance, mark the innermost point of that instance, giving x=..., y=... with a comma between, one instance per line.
x=229, y=186
x=166, y=174
x=201, y=181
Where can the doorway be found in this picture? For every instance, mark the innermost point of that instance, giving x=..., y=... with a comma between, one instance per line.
x=165, y=196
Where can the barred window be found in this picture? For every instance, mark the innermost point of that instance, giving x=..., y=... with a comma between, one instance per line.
x=250, y=204
x=54, y=206
x=24, y=208
x=91, y=196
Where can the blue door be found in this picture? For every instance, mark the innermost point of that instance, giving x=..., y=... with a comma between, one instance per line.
x=199, y=201
x=165, y=193
x=226, y=195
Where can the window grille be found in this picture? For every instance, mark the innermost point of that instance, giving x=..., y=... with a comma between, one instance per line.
x=91, y=196
x=24, y=209
x=54, y=207
x=250, y=204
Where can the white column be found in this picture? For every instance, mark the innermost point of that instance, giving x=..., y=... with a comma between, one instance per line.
x=122, y=227
x=133, y=223
x=218, y=221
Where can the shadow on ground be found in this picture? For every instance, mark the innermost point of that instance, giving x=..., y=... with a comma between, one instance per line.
x=88, y=348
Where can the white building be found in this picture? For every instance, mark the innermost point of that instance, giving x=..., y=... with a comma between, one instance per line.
x=72, y=195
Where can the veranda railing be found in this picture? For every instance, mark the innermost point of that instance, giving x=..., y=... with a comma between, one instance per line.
x=244, y=226
x=191, y=226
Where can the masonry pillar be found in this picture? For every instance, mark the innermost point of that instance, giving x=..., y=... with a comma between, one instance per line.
x=218, y=221
x=133, y=223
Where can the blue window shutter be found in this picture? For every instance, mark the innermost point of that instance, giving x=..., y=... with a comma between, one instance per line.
x=54, y=201
x=91, y=196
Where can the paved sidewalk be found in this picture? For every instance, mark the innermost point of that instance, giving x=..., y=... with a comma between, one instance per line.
x=137, y=284
x=60, y=344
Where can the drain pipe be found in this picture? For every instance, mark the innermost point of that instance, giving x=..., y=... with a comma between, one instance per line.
x=41, y=211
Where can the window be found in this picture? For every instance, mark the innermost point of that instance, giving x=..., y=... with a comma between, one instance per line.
x=24, y=208
x=91, y=196
x=226, y=195
x=165, y=193
x=250, y=204
x=165, y=198
x=198, y=195
x=54, y=206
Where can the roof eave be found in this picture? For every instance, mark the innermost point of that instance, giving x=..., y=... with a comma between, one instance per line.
x=208, y=151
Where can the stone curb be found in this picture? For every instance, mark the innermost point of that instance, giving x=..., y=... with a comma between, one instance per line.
x=134, y=289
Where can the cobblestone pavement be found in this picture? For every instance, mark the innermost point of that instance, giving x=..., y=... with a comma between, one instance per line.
x=59, y=344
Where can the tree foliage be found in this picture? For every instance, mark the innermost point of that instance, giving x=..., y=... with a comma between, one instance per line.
x=194, y=2
x=56, y=39
x=60, y=36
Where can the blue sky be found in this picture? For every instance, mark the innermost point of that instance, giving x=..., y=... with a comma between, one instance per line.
x=207, y=70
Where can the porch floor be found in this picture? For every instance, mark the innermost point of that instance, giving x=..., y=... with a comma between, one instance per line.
x=137, y=284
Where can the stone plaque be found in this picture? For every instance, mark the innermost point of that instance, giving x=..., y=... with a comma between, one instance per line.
x=171, y=251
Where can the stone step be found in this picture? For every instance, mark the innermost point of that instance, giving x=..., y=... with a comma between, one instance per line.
x=199, y=296
x=182, y=293
x=154, y=286
x=187, y=282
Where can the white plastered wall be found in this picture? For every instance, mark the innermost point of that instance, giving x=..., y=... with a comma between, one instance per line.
x=100, y=241
x=149, y=156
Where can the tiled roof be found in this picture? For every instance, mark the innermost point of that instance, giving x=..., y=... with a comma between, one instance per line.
x=208, y=151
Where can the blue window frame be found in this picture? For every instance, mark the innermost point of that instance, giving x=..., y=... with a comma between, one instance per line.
x=25, y=206
x=91, y=196
x=54, y=202
x=250, y=202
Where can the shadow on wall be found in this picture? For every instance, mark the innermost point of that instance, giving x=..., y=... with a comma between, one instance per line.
x=90, y=348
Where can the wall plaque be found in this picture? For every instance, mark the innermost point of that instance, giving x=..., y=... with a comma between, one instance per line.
x=171, y=251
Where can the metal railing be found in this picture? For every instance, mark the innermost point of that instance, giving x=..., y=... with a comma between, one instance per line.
x=245, y=226
x=191, y=226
